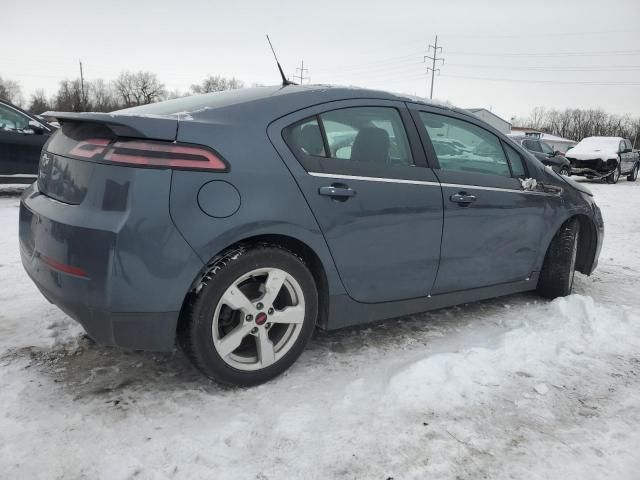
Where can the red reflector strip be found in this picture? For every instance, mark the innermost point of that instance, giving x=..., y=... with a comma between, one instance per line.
x=63, y=267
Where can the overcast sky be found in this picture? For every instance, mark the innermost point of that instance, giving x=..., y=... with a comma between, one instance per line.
x=509, y=56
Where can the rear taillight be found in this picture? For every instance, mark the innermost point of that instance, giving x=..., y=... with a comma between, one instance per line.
x=149, y=154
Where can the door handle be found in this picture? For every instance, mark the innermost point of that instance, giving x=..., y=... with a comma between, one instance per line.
x=463, y=199
x=340, y=191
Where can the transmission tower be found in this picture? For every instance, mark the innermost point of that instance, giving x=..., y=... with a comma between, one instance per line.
x=433, y=59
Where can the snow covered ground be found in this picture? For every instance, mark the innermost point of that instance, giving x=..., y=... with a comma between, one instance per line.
x=516, y=387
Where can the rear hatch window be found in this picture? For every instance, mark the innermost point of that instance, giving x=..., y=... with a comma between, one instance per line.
x=62, y=175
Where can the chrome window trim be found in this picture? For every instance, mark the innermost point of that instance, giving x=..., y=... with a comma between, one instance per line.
x=372, y=179
x=420, y=182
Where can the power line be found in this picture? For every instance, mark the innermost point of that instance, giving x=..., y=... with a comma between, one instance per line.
x=433, y=59
x=301, y=76
x=567, y=68
x=550, y=55
x=553, y=82
x=580, y=33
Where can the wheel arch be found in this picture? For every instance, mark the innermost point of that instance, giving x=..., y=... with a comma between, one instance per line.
x=587, y=241
x=294, y=245
x=587, y=244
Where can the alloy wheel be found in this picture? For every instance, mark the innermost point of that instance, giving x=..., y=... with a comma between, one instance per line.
x=616, y=175
x=258, y=319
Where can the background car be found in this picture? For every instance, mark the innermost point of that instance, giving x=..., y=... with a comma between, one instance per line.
x=274, y=210
x=22, y=136
x=605, y=157
x=543, y=152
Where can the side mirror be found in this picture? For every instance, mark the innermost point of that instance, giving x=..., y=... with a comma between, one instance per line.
x=34, y=127
x=556, y=153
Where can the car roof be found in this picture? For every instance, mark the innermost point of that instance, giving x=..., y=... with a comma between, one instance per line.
x=271, y=101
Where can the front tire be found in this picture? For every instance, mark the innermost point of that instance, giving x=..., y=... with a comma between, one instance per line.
x=633, y=176
x=614, y=176
x=252, y=317
x=558, y=269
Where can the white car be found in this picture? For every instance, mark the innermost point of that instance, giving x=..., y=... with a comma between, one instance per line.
x=604, y=157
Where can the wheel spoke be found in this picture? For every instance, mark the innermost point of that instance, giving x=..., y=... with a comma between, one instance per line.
x=294, y=314
x=232, y=340
x=272, y=286
x=237, y=300
x=266, y=355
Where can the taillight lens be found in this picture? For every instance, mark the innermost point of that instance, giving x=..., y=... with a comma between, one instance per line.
x=149, y=154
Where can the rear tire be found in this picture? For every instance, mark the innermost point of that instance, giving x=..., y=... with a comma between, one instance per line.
x=252, y=317
x=614, y=176
x=558, y=269
x=633, y=176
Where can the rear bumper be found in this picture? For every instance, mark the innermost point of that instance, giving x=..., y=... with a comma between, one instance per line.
x=121, y=272
x=137, y=331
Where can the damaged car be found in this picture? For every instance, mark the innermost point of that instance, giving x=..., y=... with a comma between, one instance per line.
x=604, y=157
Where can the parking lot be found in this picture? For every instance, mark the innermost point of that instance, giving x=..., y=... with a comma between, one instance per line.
x=512, y=387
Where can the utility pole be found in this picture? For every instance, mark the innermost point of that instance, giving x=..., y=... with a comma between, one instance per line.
x=82, y=102
x=301, y=76
x=433, y=59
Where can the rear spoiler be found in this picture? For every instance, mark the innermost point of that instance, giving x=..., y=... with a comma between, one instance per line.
x=153, y=127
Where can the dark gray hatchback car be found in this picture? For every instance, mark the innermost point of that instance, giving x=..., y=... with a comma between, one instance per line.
x=237, y=222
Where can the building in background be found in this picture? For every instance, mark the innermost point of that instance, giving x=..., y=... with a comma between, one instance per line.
x=555, y=142
x=492, y=119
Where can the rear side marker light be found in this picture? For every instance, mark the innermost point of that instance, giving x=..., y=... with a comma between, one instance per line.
x=63, y=267
x=149, y=154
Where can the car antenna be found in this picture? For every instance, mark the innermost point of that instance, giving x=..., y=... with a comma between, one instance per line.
x=285, y=81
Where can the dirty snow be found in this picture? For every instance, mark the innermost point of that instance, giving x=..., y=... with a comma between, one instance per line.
x=516, y=387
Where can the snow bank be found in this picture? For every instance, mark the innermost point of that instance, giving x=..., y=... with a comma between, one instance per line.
x=561, y=330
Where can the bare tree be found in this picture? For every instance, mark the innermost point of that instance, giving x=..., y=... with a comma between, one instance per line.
x=217, y=83
x=102, y=96
x=39, y=102
x=139, y=88
x=537, y=117
x=176, y=94
x=69, y=97
x=577, y=123
x=10, y=90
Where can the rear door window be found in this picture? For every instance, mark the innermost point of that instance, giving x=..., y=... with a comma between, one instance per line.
x=367, y=134
x=465, y=147
x=533, y=145
x=546, y=148
x=306, y=137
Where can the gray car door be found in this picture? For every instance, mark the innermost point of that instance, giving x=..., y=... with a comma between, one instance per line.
x=492, y=226
x=363, y=172
x=20, y=145
x=627, y=156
